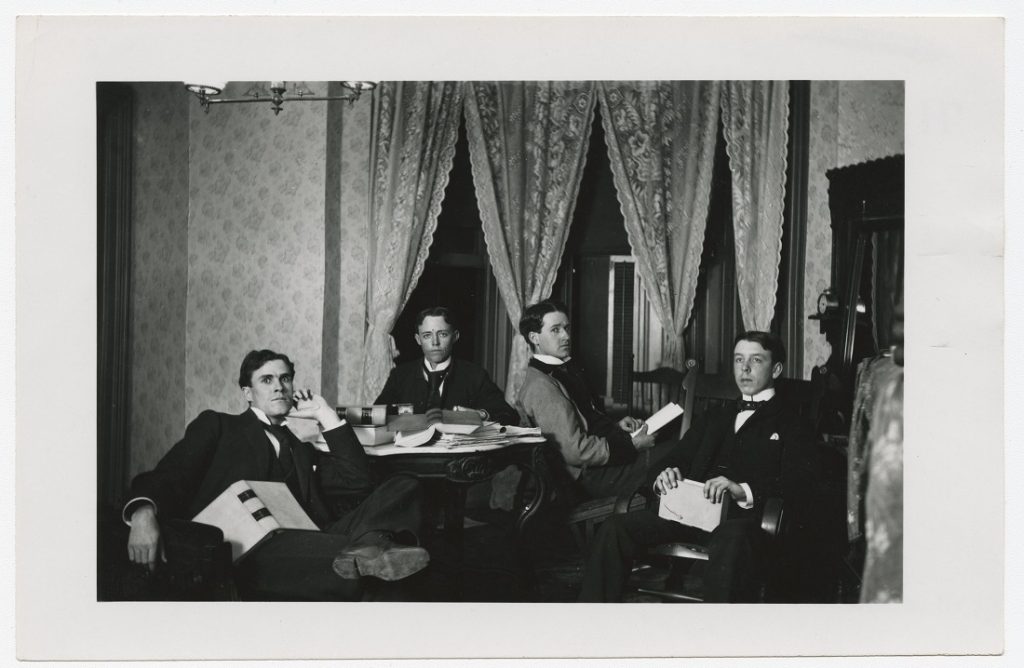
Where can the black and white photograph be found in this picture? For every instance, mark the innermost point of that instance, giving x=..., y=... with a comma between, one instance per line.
x=432, y=345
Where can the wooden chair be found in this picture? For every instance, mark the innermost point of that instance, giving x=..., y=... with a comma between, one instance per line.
x=703, y=391
x=650, y=390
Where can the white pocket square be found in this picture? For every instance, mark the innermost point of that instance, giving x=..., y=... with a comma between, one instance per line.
x=774, y=437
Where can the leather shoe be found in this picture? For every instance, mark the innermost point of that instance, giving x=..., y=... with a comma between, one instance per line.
x=377, y=555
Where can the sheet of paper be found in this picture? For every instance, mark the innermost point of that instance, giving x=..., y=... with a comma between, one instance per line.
x=686, y=504
x=668, y=412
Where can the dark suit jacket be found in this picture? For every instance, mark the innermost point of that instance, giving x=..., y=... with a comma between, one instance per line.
x=219, y=449
x=465, y=385
x=772, y=452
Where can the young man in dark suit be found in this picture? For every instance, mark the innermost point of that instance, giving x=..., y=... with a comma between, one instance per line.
x=441, y=381
x=376, y=538
x=744, y=454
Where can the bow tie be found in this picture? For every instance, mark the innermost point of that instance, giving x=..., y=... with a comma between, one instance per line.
x=748, y=405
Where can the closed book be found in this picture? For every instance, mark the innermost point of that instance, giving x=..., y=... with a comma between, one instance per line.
x=249, y=511
x=376, y=415
x=686, y=504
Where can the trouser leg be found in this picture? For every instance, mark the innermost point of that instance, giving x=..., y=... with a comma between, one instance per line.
x=735, y=556
x=618, y=542
x=395, y=505
x=601, y=481
x=296, y=566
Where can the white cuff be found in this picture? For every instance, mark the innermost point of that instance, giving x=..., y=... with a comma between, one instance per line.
x=134, y=505
x=748, y=501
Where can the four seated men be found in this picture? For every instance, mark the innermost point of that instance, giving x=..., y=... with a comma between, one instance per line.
x=743, y=454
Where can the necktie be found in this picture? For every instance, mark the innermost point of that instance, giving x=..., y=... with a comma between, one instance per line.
x=284, y=455
x=435, y=378
x=748, y=405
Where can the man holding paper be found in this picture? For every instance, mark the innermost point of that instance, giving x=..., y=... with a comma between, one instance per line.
x=740, y=455
x=376, y=538
x=604, y=457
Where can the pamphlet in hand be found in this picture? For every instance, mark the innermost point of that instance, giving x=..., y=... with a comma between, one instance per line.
x=686, y=504
x=668, y=412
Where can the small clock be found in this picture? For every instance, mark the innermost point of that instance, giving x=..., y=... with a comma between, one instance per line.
x=827, y=302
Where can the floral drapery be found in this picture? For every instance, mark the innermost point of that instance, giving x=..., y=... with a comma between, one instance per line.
x=661, y=144
x=527, y=146
x=755, y=118
x=415, y=127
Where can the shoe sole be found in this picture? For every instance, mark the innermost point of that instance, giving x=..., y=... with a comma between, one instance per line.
x=390, y=565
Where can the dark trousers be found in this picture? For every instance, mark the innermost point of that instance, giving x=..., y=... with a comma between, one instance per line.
x=735, y=554
x=297, y=565
x=599, y=481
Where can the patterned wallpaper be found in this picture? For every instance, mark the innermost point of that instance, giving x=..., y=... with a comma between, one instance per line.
x=823, y=154
x=851, y=122
x=160, y=214
x=355, y=248
x=255, y=245
x=870, y=120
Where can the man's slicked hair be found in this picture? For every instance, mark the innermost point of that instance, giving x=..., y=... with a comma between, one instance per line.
x=766, y=340
x=254, y=359
x=533, y=317
x=436, y=312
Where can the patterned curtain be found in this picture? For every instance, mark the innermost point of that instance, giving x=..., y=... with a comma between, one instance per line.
x=755, y=118
x=661, y=143
x=415, y=126
x=527, y=146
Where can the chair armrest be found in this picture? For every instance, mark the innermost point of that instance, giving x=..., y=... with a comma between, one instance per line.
x=628, y=502
x=771, y=517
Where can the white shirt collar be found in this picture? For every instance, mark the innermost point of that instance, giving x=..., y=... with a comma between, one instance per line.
x=550, y=359
x=764, y=395
x=441, y=366
x=263, y=416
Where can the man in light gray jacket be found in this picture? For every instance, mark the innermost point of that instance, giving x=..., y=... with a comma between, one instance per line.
x=599, y=454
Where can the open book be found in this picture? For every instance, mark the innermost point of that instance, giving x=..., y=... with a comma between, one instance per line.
x=417, y=429
x=686, y=504
x=668, y=412
x=250, y=510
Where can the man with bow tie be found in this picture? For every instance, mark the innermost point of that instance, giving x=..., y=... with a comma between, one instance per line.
x=377, y=538
x=440, y=381
x=755, y=449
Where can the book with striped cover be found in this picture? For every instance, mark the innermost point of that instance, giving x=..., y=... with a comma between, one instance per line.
x=372, y=415
x=250, y=510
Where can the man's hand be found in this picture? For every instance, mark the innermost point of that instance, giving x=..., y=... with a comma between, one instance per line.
x=144, y=539
x=716, y=489
x=434, y=415
x=309, y=405
x=630, y=424
x=667, y=479
x=643, y=440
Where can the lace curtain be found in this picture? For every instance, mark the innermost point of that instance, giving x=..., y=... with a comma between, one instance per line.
x=527, y=146
x=414, y=130
x=661, y=144
x=755, y=121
